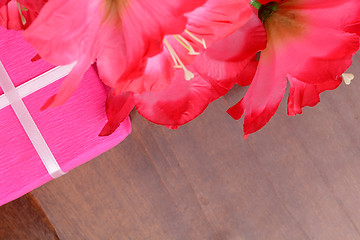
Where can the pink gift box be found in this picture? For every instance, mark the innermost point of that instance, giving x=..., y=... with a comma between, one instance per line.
x=71, y=130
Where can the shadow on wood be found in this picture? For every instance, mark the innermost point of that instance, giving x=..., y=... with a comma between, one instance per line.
x=24, y=219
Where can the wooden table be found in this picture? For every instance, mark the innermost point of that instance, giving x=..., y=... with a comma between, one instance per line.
x=297, y=178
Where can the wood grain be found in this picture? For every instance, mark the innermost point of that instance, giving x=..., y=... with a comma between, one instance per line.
x=297, y=178
x=24, y=219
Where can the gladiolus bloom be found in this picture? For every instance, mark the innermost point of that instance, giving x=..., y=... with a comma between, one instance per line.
x=310, y=43
x=118, y=34
x=214, y=52
x=216, y=69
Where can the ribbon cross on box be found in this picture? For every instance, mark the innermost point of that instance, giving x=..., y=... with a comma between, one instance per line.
x=13, y=96
x=69, y=133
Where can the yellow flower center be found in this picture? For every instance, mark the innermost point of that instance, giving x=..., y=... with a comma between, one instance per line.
x=114, y=8
x=285, y=24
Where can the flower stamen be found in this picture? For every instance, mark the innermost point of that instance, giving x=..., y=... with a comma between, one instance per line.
x=201, y=41
x=185, y=43
x=178, y=63
x=348, y=77
x=23, y=19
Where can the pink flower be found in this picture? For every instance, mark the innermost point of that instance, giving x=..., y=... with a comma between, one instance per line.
x=224, y=63
x=119, y=34
x=310, y=43
x=214, y=52
x=18, y=15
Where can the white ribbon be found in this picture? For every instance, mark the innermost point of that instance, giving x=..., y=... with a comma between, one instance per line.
x=13, y=96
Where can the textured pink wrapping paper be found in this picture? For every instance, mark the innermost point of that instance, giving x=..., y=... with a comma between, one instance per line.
x=71, y=131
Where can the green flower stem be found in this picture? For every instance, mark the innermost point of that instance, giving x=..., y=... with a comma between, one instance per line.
x=255, y=4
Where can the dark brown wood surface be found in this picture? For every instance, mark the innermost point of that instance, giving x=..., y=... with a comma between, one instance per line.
x=24, y=219
x=297, y=178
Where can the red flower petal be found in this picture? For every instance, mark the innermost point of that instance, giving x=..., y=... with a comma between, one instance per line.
x=65, y=30
x=248, y=73
x=303, y=94
x=227, y=58
x=69, y=84
x=4, y=2
x=264, y=94
x=216, y=19
x=118, y=107
x=178, y=104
